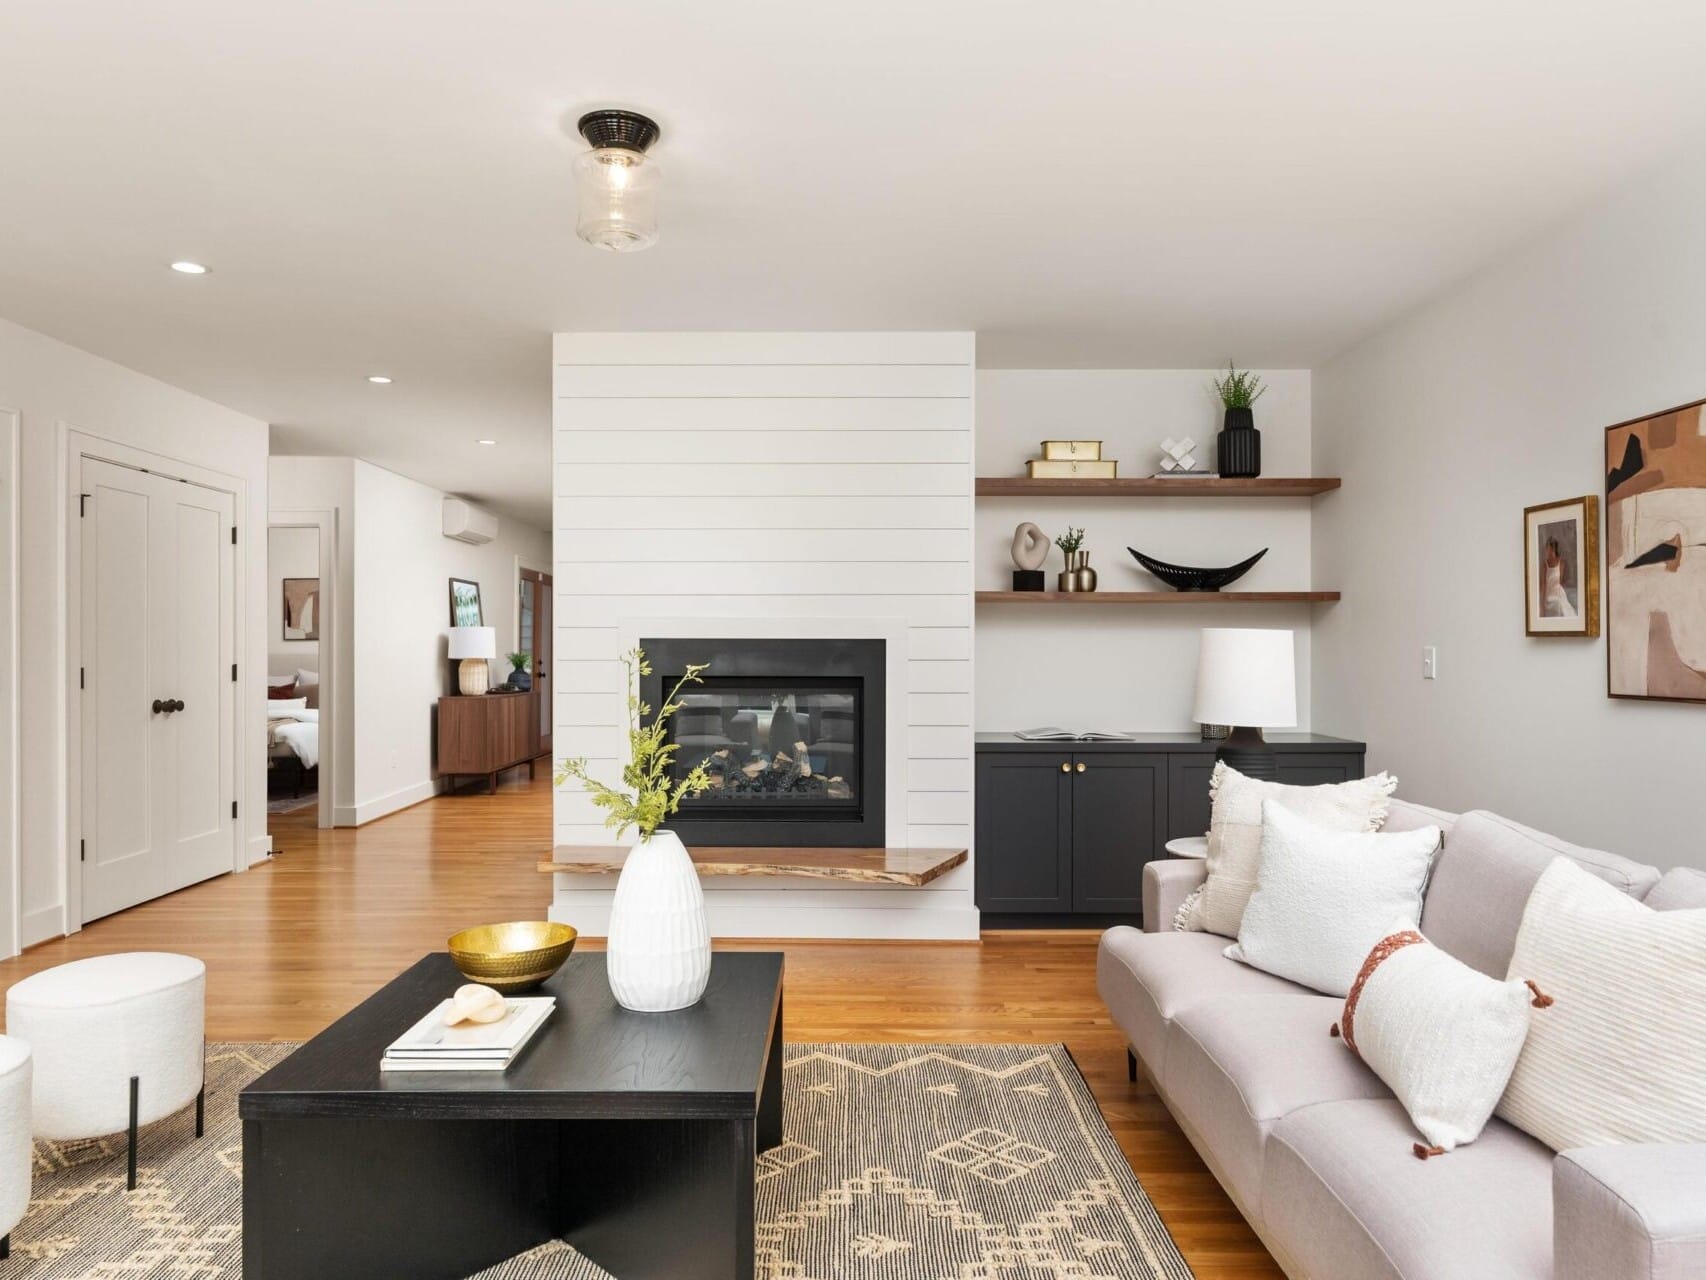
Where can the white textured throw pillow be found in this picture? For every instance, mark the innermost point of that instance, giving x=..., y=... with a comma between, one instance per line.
x=1324, y=898
x=1444, y=1037
x=1621, y=1054
x=1235, y=836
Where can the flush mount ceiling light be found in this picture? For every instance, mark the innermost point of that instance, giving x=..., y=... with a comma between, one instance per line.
x=485, y=442
x=379, y=379
x=616, y=185
x=189, y=268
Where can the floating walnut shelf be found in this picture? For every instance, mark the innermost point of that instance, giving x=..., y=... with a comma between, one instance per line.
x=1148, y=487
x=1156, y=597
x=864, y=866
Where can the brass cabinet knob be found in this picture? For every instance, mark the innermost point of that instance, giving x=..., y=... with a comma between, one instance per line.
x=1080, y=766
x=1066, y=766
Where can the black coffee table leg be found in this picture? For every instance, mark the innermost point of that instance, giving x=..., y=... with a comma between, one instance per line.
x=660, y=1199
x=336, y=1199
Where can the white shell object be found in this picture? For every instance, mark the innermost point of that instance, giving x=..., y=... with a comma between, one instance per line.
x=473, y=1002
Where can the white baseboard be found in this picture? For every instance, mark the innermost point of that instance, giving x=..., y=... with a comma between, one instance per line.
x=260, y=849
x=369, y=810
x=40, y=925
x=590, y=915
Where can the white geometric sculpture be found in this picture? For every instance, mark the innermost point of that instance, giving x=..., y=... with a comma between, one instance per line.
x=1178, y=455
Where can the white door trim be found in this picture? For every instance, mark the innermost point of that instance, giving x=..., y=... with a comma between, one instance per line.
x=324, y=519
x=11, y=863
x=78, y=445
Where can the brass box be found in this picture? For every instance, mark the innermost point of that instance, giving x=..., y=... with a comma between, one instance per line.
x=1072, y=450
x=1047, y=469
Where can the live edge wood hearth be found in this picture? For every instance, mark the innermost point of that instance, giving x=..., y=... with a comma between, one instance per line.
x=912, y=867
x=632, y=1136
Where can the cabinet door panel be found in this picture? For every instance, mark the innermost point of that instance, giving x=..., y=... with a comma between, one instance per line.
x=1119, y=823
x=1315, y=768
x=1024, y=832
x=1187, y=794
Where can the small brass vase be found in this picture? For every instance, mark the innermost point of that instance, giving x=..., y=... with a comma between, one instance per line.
x=1078, y=575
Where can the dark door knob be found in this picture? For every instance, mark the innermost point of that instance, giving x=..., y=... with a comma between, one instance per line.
x=177, y=704
x=159, y=706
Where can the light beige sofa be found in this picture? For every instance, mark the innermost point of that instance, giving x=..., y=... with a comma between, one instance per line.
x=1314, y=1149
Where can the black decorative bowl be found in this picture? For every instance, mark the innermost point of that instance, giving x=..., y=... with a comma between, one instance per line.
x=1182, y=577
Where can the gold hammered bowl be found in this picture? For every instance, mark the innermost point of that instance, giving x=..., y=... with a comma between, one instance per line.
x=512, y=957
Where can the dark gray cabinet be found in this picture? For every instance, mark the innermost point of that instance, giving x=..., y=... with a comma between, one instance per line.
x=1064, y=830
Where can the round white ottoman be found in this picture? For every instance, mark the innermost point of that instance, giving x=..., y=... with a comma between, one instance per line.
x=117, y=1042
x=14, y=1137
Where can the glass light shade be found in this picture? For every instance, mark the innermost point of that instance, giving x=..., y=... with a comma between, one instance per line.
x=616, y=199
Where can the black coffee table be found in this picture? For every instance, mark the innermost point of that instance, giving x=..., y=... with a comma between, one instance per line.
x=632, y=1136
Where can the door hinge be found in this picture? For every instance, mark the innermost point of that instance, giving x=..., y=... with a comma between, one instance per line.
x=233, y=535
x=233, y=808
x=83, y=504
x=233, y=673
x=82, y=677
x=82, y=851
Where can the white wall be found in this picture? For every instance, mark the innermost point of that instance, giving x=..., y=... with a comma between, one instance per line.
x=59, y=390
x=293, y=551
x=782, y=484
x=1131, y=667
x=8, y=682
x=1444, y=427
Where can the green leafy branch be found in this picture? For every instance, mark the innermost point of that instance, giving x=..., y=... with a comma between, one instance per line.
x=1239, y=389
x=647, y=797
x=1071, y=540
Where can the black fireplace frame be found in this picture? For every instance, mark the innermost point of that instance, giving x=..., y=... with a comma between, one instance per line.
x=791, y=659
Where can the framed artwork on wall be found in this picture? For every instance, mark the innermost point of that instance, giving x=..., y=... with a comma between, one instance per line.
x=1655, y=556
x=1560, y=553
x=301, y=609
x=465, y=603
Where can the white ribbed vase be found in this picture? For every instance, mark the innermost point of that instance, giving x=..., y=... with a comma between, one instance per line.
x=659, y=951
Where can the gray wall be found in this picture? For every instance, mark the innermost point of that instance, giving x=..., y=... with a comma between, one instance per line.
x=1444, y=427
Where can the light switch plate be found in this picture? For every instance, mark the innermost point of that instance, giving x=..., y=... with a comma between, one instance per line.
x=1430, y=662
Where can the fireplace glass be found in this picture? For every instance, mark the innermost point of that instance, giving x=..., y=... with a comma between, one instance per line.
x=770, y=744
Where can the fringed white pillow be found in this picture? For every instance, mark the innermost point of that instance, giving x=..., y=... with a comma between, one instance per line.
x=1621, y=1055
x=1235, y=836
x=1324, y=898
x=1443, y=1037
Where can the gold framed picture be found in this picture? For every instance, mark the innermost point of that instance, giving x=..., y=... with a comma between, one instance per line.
x=1560, y=552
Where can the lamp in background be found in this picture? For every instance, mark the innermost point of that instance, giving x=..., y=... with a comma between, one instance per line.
x=475, y=646
x=1247, y=678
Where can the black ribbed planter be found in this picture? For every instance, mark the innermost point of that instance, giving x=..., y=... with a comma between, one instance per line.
x=1240, y=445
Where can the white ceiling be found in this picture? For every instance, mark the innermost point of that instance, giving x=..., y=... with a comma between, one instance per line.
x=384, y=187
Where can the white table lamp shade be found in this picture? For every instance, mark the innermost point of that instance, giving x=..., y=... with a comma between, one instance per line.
x=1246, y=677
x=473, y=642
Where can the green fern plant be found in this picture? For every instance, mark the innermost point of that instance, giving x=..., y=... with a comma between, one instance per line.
x=1239, y=389
x=518, y=660
x=648, y=796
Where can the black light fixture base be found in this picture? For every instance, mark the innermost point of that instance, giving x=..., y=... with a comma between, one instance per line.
x=611, y=127
x=1245, y=750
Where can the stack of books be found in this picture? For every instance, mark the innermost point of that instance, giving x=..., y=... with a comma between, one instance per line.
x=429, y=1045
x=1072, y=459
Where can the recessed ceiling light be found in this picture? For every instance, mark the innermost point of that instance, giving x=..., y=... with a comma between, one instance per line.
x=190, y=268
x=378, y=379
x=485, y=442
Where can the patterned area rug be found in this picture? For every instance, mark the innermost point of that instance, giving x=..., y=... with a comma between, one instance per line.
x=901, y=1162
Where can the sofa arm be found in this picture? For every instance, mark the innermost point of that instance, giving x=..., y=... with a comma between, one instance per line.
x=1634, y=1212
x=1167, y=882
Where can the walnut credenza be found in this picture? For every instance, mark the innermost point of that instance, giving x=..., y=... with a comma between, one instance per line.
x=482, y=736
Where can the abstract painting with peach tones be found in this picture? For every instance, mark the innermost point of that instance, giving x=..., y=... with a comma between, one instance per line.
x=1655, y=555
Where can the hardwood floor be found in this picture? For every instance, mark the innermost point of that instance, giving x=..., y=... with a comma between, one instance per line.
x=294, y=943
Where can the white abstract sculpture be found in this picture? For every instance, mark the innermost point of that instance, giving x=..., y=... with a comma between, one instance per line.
x=476, y=1003
x=1030, y=547
x=1178, y=455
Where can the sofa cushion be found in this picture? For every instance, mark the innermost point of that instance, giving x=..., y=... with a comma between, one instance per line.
x=1678, y=890
x=1148, y=979
x=1342, y=1191
x=1482, y=879
x=1237, y=1064
x=1401, y=815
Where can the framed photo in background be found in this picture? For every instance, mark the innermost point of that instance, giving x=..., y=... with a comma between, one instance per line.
x=465, y=604
x=301, y=609
x=1655, y=556
x=1560, y=553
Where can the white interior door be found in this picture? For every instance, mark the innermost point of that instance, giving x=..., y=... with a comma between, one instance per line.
x=157, y=631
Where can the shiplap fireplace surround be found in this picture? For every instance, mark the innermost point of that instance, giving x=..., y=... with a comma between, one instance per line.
x=777, y=486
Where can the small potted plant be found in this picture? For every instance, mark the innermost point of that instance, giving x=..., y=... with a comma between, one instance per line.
x=1078, y=575
x=1240, y=444
x=520, y=677
x=658, y=953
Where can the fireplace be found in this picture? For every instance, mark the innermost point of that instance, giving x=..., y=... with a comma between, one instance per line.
x=792, y=733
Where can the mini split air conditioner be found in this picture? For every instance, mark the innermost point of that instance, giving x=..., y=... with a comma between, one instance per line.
x=467, y=523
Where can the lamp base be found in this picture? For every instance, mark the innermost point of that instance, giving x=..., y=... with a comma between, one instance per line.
x=473, y=676
x=1248, y=752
